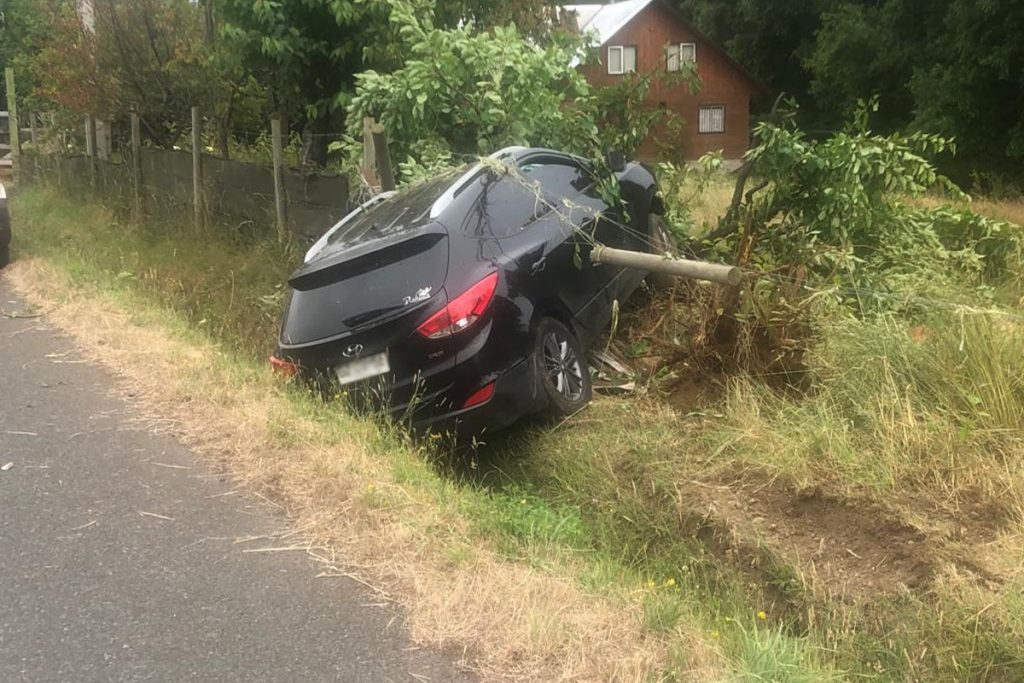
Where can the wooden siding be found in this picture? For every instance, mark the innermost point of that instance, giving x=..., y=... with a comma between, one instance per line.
x=723, y=84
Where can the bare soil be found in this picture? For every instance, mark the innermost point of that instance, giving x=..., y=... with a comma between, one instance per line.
x=841, y=547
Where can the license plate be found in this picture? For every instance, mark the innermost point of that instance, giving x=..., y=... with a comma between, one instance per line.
x=364, y=368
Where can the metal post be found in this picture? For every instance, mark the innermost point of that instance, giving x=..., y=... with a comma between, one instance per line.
x=280, y=200
x=197, y=168
x=697, y=270
x=137, y=165
x=12, y=122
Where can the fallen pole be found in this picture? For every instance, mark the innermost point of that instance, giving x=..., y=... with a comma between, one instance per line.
x=697, y=270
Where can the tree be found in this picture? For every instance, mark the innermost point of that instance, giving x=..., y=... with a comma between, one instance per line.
x=467, y=91
x=308, y=53
x=769, y=38
x=473, y=91
x=146, y=56
x=531, y=17
x=24, y=26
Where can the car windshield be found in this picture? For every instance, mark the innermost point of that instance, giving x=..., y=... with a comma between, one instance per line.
x=408, y=209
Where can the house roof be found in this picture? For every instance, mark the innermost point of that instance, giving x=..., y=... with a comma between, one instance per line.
x=604, y=21
x=607, y=20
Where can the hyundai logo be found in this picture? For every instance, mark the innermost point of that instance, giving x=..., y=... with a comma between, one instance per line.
x=353, y=351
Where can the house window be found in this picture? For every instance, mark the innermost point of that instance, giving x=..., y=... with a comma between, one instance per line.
x=712, y=118
x=621, y=59
x=679, y=54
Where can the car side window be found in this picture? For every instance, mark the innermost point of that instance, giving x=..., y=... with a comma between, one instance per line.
x=558, y=181
x=510, y=204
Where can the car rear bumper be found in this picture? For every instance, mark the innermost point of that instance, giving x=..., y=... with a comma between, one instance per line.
x=517, y=393
x=5, y=223
x=429, y=394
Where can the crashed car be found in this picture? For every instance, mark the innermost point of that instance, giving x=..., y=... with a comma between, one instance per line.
x=469, y=299
x=5, y=229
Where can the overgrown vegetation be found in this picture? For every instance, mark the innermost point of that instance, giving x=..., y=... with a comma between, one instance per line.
x=862, y=526
x=820, y=474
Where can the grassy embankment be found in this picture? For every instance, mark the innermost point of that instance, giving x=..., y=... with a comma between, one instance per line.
x=870, y=529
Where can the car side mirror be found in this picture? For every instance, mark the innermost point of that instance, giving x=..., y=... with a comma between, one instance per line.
x=616, y=161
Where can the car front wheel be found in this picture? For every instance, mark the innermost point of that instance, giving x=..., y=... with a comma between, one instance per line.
x=562, y=367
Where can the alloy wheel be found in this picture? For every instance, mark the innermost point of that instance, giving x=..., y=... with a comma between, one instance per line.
x=563, y=366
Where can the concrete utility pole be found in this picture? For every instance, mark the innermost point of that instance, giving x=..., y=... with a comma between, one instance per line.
x=696, y=270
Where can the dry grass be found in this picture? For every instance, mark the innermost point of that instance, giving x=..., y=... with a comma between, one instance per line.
x=710, y=205
x=1011, y=210
x=389, y=519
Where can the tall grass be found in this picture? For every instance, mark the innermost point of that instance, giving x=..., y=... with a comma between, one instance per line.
x=226, y=281
x=939, y=404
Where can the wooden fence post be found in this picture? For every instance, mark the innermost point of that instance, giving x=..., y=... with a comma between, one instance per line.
x=280, y=200
x=197, y=168
x=90, y=148
x=369, y=169
x=383, y=156
x=137, y=165
x=12, y=122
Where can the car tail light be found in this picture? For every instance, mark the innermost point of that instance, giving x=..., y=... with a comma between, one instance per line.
x=481, y=395
x=462, y=311
x=284, y=367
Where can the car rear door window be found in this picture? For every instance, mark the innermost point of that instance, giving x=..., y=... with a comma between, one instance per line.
x=509, y=204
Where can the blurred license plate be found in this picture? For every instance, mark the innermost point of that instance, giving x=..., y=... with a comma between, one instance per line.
x=364, y=368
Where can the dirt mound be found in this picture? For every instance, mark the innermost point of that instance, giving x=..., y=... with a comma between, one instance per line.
x=840, y=547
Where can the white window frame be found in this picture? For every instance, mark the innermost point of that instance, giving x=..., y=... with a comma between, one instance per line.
x=700, y=118
x=674, y=51
x=621, y=50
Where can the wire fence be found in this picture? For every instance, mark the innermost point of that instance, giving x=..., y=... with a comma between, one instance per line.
x=161, y=184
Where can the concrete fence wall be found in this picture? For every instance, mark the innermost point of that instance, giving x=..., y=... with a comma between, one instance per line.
x=235, y=194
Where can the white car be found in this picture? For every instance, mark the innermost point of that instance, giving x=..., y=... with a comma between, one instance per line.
x=5, y=229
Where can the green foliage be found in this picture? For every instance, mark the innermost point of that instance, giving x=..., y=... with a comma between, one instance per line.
x=836, y=209
x=307, y=51
x=684, y=184
x=948, y=66
x=475, y=91
x=466, y=91
x=23, y=28
x=526, y=519
x=530, y=16
x=951, y=66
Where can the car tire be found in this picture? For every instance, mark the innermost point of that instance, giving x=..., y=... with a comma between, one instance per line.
x=661, y=242
x=5, y=256
x=562, y=368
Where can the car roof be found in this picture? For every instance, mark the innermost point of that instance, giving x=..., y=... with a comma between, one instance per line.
x=514, y=154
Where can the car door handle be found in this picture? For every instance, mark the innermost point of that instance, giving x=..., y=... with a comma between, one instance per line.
x=538, y=265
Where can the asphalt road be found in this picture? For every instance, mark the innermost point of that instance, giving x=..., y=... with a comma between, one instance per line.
x=92, y=589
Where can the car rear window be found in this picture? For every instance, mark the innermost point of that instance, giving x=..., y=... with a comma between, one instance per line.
x=408, y=209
